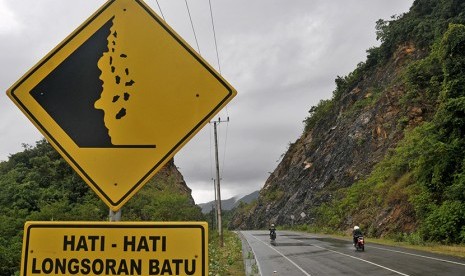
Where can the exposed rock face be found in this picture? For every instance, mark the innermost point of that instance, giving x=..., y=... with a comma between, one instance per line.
x=170, y=171
x=361, y=127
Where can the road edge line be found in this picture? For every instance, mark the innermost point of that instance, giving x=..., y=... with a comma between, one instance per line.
x=244, y=239
x=372, y=263
x=418, y=255
x=292, y=262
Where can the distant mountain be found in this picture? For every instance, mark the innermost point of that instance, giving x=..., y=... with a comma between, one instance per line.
x=248, y=198
x=226, y=204
x=229, y=204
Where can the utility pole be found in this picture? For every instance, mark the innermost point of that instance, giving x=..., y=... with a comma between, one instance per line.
x=213, y=216
x=115, y=216
x=218, y=191
x=215, y=213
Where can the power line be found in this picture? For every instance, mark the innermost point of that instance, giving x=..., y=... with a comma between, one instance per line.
x=219, y=69
x=214, y=36
x=192, y=24
x=160, y=10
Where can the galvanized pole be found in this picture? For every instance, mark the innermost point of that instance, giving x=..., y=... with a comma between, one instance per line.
x=218, y=193
x=115, y=216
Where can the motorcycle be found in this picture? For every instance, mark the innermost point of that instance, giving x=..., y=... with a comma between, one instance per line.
x=360, y=244
x=272, y=235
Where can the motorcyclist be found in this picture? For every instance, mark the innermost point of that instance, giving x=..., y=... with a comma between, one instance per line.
x=356, y=233
x=272, y=229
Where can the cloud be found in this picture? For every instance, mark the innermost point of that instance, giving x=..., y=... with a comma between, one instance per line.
x=281, y=56
x=9, y=23
x=282, y=61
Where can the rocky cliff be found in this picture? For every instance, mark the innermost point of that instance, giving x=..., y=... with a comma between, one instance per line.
x=341, y=149
x=173, y=178
x=367, y=118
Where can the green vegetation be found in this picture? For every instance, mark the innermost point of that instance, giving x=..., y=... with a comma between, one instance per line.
x=423, y=80
x=413, y=240
x=426, y=172
x=37, y=184
x=317, y=113
x=368, y=101
x=246, y=207
x=226, y=260
x=160, y=200
x=347, y=83
x=423, y=25
x=275, y=193
x=420, y=182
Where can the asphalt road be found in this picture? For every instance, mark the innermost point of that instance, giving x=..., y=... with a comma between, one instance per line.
x=296, y=253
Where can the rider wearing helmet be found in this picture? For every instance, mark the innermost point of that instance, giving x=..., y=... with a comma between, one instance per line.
x=272, y=232
x=356, y=233
x=272, y=228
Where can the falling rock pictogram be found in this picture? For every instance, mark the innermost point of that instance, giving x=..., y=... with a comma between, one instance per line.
x=120, y=96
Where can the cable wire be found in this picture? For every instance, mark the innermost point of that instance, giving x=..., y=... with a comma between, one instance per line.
x=214, y=36
x=192, y=24
x=217, y=57
x=158, y=4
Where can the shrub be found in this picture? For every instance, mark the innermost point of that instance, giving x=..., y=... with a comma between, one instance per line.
x=446, y=223
x=317, y=113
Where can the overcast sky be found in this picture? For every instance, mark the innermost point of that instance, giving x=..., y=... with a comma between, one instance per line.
x=282, y=56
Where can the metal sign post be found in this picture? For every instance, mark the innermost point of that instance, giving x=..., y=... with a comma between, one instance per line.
x=114, y=216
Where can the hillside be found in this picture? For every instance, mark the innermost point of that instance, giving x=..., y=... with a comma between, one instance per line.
x=38, y=185
x=386, y=151
x=230, y=203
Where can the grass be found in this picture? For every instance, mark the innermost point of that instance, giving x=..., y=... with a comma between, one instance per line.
x=226, y=260
x=451, y=250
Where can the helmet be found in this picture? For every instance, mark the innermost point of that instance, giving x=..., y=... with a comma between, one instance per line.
x=356, y=227
x=272, y=225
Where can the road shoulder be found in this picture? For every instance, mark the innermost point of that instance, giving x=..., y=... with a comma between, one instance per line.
x=250, y=264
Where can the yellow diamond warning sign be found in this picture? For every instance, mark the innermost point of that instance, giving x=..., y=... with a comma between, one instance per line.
x=120, y=96
x=117, y=248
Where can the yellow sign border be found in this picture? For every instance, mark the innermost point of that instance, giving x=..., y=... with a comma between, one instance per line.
x=116, y=204
x=31, y=225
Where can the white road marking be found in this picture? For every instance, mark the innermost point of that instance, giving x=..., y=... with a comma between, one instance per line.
x=417, y=255
x=254, y=255
x=296, y=265
x=347, y=255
